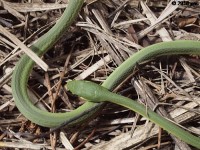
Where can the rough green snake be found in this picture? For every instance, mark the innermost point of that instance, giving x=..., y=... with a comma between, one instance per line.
x=96, y=93
x=47, y=119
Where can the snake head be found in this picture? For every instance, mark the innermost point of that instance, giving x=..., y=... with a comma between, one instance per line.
x=88, y=90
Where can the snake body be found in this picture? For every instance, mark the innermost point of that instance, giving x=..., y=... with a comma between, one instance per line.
x=25, y=66
x=97, y=93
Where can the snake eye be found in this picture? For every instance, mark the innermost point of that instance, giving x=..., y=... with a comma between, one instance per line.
x=66, y=85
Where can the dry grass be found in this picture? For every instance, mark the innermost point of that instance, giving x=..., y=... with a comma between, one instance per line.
x=105, y=34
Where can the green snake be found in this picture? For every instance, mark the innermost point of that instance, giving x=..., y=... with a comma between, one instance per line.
x=48, y=119
x=96, y=93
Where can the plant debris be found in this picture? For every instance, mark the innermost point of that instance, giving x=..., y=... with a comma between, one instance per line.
x=104, y=35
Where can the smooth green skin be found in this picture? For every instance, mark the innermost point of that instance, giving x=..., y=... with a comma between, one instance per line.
x=25, y=66
x=96, y=93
